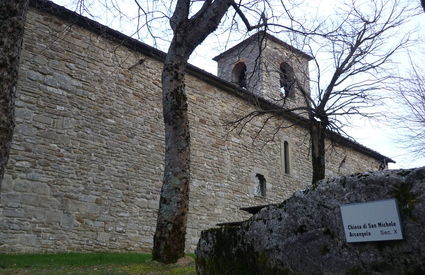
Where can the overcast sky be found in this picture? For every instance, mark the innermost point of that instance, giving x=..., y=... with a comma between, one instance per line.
x=381, y=136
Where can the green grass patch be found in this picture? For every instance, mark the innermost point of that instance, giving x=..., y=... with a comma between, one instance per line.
x=72, y=259
x=160, y=269
x=89, y=264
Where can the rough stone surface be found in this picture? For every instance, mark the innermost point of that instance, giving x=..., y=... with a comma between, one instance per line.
x=86, y=162
x=263, y=57
x=304, y=234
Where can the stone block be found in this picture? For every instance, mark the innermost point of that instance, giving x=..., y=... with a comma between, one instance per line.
x=53, y=217
x=67, y=221
x=13, y=212
x=36, y=176
x=39, y=214
x=43, y=119
x=103, y=237
x=120, y=229
x=7, y=184
x=52, y=82
x=28, y=239
x=41, y=188
x=23, y=186
x=11, y=200
x=30, y=199
x=25, y=130
x=153, y=204
x=35, y=76
x=88, y=198
x=23, y=114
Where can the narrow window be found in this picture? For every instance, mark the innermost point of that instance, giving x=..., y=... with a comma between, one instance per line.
x=239, y=75
x=287, y=79
x=286, y=157
x=260, y=188
x=382, y=165
x=342, y=164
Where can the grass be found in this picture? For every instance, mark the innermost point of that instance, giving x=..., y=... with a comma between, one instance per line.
x=89, y=263
x=73, y=259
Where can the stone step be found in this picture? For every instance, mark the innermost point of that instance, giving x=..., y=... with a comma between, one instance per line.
x=254, y=209
x=230, y=223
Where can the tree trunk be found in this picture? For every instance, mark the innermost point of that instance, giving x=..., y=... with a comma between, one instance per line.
x=169, y=239
x=317, y=135
x=12, y=23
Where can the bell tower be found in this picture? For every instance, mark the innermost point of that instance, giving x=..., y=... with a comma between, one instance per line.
x=268, y=68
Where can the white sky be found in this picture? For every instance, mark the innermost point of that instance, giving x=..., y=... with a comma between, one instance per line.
x=377, y=135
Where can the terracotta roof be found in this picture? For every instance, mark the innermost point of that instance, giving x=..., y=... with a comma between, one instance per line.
x=131, y=43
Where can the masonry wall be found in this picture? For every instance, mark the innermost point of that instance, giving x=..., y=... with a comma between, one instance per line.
x=247, y=54
x=86, y=163
x=263, y=73
x=274, y=55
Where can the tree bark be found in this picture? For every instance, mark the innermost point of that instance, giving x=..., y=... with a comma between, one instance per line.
x=317, y=135
x=169, y=239
x=12, y=23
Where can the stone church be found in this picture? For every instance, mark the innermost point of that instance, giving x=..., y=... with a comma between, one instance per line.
x=86, y=163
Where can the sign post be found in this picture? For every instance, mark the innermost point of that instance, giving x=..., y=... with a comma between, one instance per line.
x=371, y=221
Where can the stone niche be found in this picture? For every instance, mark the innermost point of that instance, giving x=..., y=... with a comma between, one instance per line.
x=305, y=234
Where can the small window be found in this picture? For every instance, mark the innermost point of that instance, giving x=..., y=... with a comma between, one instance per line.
x=239, y=75
x=286, y=157
x=383, y=165
x=260, y=187
x=342, y=164
x=287, y=79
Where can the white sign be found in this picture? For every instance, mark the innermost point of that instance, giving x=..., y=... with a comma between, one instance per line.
x=371, y=221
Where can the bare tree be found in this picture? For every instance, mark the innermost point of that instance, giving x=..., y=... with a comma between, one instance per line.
x=360, y=45
x=188, y=33
x=411, y=120
x=190, y=28
x=12, y=22
x=360, y=49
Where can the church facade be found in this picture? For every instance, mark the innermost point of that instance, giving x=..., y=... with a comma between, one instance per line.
x=86, y=163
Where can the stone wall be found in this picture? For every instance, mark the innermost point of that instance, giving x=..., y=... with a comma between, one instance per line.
x=263, y=56
x=274, y=55
x=248, y=54
x=86, y=162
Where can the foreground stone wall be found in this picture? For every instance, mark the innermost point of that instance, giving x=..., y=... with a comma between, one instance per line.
x=86, y=162
x=305, y=234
